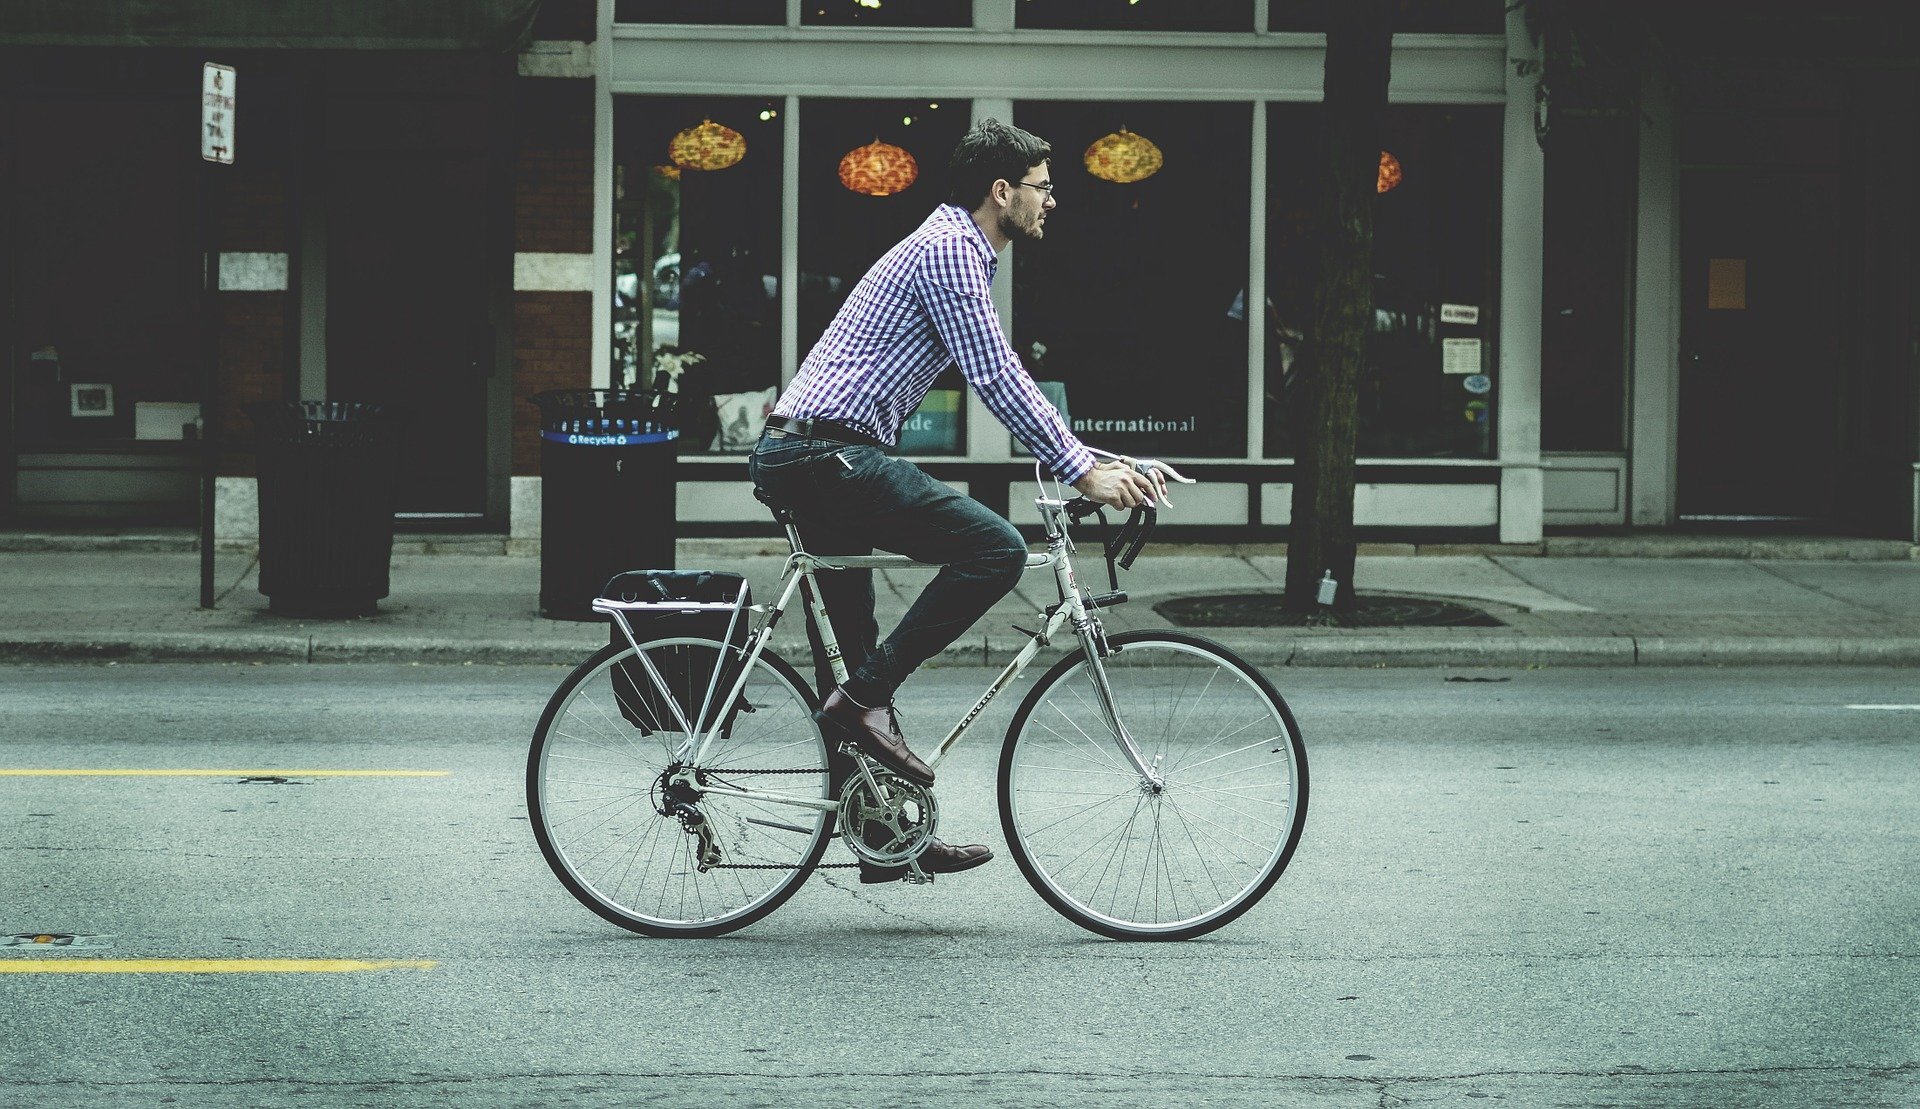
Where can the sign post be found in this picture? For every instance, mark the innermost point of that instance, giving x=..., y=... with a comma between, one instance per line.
x=216, y=148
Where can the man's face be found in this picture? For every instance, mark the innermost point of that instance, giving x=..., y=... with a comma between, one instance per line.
x=1028, y=204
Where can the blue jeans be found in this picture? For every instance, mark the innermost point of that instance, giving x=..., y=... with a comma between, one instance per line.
x=849, y=500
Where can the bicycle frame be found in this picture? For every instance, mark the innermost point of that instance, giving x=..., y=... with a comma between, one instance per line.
x=799, y=575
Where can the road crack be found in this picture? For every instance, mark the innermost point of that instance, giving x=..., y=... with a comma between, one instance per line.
x=857, y=895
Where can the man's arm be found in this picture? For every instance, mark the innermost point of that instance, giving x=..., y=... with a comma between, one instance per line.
x=954, y=288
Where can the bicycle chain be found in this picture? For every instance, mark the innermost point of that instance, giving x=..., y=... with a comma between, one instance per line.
x=773, y=866
x=780, y=866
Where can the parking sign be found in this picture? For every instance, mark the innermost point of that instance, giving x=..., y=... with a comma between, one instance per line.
x=216, y=113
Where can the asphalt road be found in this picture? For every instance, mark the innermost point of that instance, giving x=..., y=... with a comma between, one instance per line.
x=1579, y=887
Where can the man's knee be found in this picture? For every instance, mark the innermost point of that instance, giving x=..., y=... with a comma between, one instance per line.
x=1004, y=564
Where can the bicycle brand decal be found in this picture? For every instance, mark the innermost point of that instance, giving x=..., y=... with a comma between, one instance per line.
x=1006, y=678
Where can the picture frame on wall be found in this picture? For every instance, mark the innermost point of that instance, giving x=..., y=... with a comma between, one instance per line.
x=87, y=400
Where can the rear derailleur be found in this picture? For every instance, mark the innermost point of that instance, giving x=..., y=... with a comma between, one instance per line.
x=677, y=797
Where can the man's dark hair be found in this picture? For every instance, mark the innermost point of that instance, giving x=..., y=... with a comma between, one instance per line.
x=990, y=152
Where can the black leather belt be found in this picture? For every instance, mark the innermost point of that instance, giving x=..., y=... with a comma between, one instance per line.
x=834, y=430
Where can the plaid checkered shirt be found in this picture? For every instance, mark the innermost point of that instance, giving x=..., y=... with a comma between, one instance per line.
x=925, y=305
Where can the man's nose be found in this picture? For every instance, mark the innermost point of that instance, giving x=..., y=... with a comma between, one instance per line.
x=1049, y=202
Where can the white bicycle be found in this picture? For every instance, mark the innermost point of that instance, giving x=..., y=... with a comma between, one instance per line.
x=1152, y=785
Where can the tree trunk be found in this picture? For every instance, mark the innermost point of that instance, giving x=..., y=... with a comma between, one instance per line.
x=1320, y=538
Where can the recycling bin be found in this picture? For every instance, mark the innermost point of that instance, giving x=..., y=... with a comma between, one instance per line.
x=326, y=504
x=607, y=473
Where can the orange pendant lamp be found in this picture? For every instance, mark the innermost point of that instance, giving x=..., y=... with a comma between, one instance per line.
x=709, y=146
x=1389, y=173
x=1123, y=157
x=878, y=169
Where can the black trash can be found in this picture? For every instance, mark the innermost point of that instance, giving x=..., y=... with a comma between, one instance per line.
x=326, y=504
x=606, y=492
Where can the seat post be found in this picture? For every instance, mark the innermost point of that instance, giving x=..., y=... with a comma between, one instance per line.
x=782, y=515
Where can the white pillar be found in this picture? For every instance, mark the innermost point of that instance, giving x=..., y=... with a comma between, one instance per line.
x=1522, y=274
x=1255, y=305
x=1655, y=389
x=988, y=440
x=600, y=348
x=790, y=352
x=993, y=15
x=236, y=512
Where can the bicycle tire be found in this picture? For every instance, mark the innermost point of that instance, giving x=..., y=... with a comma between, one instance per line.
x=1164, y=685
x=773, y=721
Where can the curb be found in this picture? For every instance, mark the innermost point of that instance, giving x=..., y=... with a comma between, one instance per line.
x=1805, y=650
x=1359, y=652
x=157, y=647
x=443, y=652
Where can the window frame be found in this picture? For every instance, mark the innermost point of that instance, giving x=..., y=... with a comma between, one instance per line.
x=993, y=64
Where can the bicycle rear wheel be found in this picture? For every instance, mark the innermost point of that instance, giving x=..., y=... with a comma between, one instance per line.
x=1119, y=857
x=626, y=841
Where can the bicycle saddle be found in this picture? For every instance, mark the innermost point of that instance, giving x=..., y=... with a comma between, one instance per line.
x=782, y=514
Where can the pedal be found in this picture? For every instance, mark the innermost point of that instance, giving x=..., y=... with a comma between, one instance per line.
x=915, y=876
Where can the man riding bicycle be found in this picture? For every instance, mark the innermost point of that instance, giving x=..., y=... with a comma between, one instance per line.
x=925, y=305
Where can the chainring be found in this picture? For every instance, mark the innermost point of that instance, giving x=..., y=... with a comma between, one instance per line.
x=891, y=829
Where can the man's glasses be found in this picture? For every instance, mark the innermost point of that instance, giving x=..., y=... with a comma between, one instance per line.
x=1046, y=188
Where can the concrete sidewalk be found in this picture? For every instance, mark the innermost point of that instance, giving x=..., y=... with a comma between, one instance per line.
x=138, y=601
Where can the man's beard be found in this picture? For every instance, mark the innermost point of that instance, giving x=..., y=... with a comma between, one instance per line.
x=1013, y=229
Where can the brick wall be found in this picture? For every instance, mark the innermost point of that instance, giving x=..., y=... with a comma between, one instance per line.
x=253, y=205
x=567, y=19
x=553, y=214
x=252, y=364
x=550, y=352
x=553, y=202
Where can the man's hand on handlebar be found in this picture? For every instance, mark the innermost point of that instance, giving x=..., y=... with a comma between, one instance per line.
x=1119, y=485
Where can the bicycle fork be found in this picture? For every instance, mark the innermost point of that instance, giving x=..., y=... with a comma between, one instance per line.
x=1093, y=639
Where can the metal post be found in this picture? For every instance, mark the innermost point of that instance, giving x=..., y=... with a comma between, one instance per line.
x=209, y=359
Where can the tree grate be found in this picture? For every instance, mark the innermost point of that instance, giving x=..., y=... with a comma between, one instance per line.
x=1372, y=610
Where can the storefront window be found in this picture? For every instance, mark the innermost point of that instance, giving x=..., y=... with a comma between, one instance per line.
x=1135, y=299
x=725, y=12
x=845, y=227
x=106, y=276
x=900, y=13
x=1135, y=15
x=1591, y=174
x=1443, y=17
x=1428, y=389
x=697, y=259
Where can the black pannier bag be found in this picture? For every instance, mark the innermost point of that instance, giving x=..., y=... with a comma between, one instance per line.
x=671, y=596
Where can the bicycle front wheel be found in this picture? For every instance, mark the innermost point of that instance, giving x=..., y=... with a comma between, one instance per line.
x=630, y=836
x=1120, y=856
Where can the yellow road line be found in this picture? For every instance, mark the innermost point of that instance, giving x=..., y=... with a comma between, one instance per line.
x=57, y=772
x=206, y=966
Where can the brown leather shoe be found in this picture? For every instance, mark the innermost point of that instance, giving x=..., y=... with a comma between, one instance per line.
x=876, y=734
x=938, y=858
